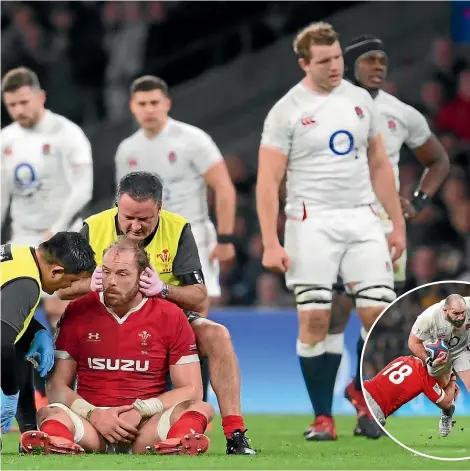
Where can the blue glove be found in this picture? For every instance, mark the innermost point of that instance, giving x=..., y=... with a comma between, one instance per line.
x=42, y=350
x=9, y=405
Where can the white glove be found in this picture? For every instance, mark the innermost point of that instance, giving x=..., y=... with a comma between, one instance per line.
x=97, y=280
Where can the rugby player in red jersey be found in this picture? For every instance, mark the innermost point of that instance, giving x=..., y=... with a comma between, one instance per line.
x=121, y=346
x=402, y=380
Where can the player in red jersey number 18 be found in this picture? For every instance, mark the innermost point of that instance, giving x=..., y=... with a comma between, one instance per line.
x=401, y=381
x=121, y=347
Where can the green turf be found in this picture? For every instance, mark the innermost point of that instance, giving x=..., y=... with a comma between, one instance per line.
x=421, y=434
x=282, y=446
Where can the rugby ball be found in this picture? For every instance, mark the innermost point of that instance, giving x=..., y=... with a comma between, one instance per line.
x=436, y=348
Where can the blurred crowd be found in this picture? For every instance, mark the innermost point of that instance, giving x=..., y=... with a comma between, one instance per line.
x=389, y=339
x=89, y=52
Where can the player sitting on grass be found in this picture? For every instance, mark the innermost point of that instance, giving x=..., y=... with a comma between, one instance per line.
x=404, y=379
x=121, y=346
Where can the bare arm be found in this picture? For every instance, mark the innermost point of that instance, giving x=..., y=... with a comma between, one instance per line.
x=416, y=346
x=188, y=298
x=435, y=161
x=58, y=385
x=449, y=391
x=218, y=178
x=383, y=181
x=272, y=166
x=187, y=384
x=79, y=288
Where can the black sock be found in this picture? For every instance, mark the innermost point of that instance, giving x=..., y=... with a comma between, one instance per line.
x=313, y=369
x=26, y=412
x=332, y=362
x=205, y=377
x=357, y=379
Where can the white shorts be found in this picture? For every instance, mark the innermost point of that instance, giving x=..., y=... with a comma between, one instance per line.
x=399, y=267
x=374, y=408
x=206, y=239
x=163, y=426
x=350, y=243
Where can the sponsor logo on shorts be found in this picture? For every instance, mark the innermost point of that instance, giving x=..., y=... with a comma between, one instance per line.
x=117, y=364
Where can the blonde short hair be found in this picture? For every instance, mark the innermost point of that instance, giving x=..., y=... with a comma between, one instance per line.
x=315, y=34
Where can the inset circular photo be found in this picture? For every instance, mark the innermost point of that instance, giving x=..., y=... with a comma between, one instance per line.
x=416, y=370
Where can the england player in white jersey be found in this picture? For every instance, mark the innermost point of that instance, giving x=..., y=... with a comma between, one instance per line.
x=47, y=169
x=187, y=161
x=448, y=320
x=399, y=124
x=324, y=134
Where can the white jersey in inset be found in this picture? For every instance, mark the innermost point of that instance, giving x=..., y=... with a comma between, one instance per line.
x=432, y=325
x=180, y=155
x=399, y=124
x=47, y=171
x=325, y=138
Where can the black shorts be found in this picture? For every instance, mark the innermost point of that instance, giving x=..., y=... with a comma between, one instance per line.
x=192, y=316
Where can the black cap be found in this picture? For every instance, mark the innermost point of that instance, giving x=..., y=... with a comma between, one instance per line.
x=358, y=47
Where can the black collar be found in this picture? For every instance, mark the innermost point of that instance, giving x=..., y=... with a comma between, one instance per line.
x=146, y=241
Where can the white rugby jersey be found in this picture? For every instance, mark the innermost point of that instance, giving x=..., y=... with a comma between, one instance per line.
x=180, y=155
x=431, y=325
x=325, y=138
x=48, y=173
x=399, y=124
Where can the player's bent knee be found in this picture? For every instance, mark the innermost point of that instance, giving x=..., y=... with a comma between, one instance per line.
x=314, y=297
x=373, y=295
x=211, y=336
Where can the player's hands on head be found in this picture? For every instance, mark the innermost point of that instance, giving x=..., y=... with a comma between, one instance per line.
x=97, y=280
x=396, y=243
x=275, y=259
x=111, y=424
x=42, y=351
x=223, y=253
x=409, y=211
x=150, y=284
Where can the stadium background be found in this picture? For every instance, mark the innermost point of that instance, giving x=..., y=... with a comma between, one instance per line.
x=226, y=64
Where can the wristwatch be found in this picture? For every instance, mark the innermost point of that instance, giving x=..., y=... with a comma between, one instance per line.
x=164, y=292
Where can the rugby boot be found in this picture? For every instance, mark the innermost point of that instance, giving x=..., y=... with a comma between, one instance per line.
x=190, y=444
x=36, y=442
x=323, y=429
x=239, y=444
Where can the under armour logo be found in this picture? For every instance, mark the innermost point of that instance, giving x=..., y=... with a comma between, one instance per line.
x=93, y=336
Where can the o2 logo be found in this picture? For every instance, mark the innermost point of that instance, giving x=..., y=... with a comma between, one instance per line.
x=342, y=142
x=26, y=183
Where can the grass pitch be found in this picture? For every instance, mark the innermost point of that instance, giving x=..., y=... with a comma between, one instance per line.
x=281, y=446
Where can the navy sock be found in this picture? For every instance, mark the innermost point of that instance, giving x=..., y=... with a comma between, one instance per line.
x=313, y=369
x=332, y=362
x=357, y=379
